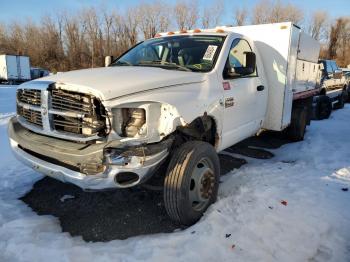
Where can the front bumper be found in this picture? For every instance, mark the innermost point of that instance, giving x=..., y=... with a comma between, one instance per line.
x=64, y=160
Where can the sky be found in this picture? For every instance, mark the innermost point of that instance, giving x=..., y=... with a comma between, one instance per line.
x=35, y=9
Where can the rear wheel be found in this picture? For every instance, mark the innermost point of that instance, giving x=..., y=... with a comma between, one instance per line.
x=323, y=107
x=192, y=181
x=296, y=130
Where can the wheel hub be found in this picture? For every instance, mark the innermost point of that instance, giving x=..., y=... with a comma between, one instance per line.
x=202, y=184
x=207, y=183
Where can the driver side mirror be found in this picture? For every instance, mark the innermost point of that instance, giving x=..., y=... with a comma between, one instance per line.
x=248, y=69
x=250, y=62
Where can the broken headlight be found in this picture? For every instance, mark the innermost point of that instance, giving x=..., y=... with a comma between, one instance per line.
x=130, y=122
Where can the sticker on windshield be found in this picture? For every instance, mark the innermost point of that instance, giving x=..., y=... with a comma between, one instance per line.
x=209, y=54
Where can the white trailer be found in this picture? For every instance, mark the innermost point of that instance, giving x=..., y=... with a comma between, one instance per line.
x=14, y=68
x=181, y=96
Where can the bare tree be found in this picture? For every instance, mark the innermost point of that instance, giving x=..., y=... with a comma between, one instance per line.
x=3, y=39
x=92, y=23
x=262, y=12
x=5, y=44
x=77, y=49
x=292, y=13
x=333, y=38
x=69, y=41
x=107, y=29
x=339, y=43
x=186, y=14
x=130, y=26
x=152, y=18
x=51, y=53
x=267, y=11
x=318, y=27
x=241, y=16
x=211, y=15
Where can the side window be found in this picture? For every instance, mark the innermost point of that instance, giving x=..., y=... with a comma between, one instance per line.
x=148, y=53
x=329, y=67
x=159, y=50
x=334, y=65
x=237, y=56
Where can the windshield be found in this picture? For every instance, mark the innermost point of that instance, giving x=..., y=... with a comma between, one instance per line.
x=187, y=53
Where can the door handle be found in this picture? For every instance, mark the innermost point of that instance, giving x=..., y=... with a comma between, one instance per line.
x=260, y=88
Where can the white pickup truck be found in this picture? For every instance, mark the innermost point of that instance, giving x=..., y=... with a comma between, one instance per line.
x=333, y=89
x=182, y=97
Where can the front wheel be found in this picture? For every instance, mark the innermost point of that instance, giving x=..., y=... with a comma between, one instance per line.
x=341, y=100
x=323, y=107
x=192, y=181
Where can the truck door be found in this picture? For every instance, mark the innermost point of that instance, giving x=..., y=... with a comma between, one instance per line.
x=245, y=96
x=12, y=71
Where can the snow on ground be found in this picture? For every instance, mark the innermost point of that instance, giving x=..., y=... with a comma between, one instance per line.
x=248, y=222
x=7, y=98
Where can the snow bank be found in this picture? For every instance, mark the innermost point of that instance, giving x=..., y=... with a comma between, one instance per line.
x=248, y=222
x=7, y=99
x=342, y=174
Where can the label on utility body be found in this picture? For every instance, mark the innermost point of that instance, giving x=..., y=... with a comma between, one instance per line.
x=229, y=102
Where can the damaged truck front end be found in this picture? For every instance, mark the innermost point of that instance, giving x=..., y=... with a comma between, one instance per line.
x=101, y=128
x=71, y=136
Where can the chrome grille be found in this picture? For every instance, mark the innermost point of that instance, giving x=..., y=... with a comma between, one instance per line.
x=72, y=101
x=88, y=109
x=66, y=114
x=77, y=125
x=29, y=96
x=31, y=116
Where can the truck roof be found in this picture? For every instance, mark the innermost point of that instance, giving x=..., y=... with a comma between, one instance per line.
x=193, y=32
x=222, y=30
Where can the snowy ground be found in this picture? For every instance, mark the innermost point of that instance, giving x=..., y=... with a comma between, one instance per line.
x=248, y=222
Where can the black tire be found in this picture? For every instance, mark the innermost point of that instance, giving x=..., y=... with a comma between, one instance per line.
x=346, y=94
x=191, y=162
x=341, y=101
x=323, y=107
x=296, y=129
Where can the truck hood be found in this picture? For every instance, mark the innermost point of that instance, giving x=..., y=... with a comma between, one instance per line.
x=117, y=81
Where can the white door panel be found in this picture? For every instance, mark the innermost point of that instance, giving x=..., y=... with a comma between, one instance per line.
x=244, y=117
x=244, y=105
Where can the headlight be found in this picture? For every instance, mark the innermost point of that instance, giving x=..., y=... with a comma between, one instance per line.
x=133, y=120
x=145, y=121
x=130, y=122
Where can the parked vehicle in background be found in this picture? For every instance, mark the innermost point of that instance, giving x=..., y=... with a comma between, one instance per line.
x=333, y=89
x=346, y=75
x=182, y=97
x=14, y=69
x=36, y=72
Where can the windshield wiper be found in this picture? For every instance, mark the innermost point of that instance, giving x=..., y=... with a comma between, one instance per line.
x=164, y=63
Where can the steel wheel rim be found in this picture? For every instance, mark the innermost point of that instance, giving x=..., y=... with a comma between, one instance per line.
x=202, y=184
